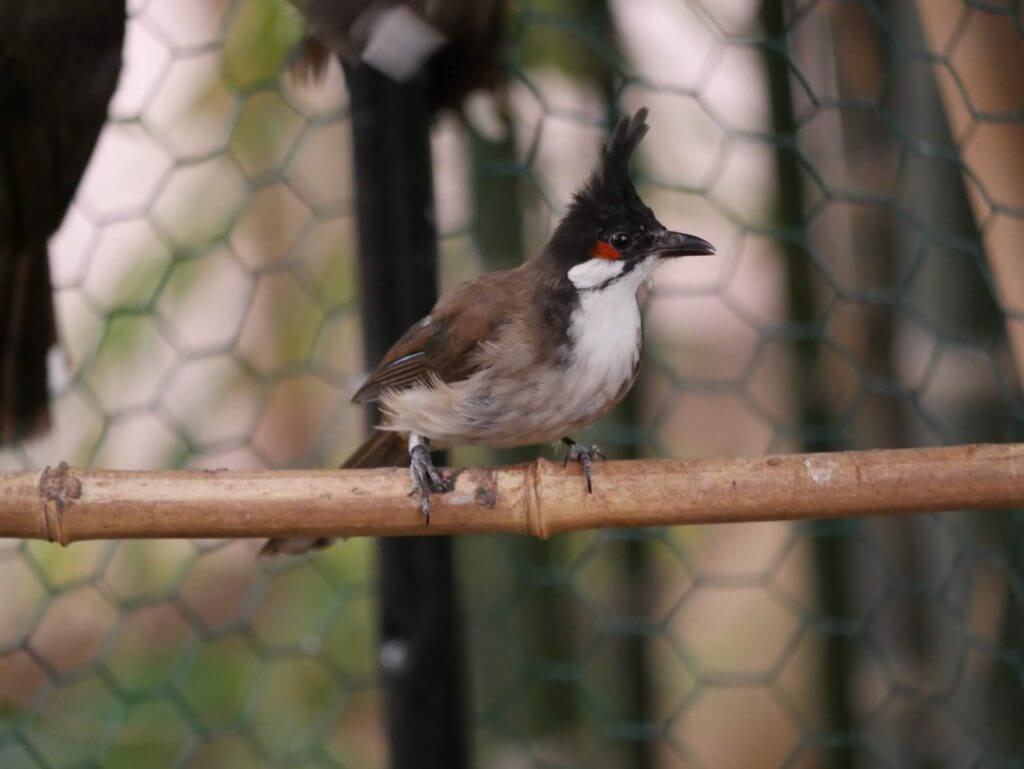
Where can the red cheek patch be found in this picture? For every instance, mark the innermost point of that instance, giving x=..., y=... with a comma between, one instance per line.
x=602, y=250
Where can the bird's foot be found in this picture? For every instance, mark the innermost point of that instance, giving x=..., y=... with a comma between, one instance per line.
x=426, y=478
x=585, y=455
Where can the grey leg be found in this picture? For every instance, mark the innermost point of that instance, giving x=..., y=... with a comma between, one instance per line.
x=585, y=455
x=425, y=477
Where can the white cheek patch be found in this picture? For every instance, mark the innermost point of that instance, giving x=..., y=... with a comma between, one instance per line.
x=594, y=272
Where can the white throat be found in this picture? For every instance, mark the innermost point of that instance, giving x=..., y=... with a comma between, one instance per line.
x=605, y=328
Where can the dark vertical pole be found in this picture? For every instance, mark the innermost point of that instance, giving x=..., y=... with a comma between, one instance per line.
x=881, y=421
x=640, y=582
x=421, y=632
x=830, y=550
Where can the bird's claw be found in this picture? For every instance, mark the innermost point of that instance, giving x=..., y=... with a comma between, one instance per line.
x=585, y=455
x=426, y=478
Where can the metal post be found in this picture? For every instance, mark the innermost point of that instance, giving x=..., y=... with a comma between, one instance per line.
x=421, y=630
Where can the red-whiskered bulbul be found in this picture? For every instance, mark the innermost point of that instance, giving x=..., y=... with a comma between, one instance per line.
x=59, y=66
x=529, y=355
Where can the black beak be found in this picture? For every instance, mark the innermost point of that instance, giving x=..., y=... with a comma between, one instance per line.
x=668, y=243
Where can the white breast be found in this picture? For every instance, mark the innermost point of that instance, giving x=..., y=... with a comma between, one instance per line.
x=605, y=330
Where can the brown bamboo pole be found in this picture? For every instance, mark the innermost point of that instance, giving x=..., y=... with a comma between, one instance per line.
x=539, y=498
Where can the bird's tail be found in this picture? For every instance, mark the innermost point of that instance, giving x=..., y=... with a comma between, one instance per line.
x=27, y=331
x=382, y=449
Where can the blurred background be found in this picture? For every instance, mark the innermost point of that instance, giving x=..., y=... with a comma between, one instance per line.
x=860, y=166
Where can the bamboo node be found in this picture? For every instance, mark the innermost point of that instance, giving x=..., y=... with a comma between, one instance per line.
x=56, y=489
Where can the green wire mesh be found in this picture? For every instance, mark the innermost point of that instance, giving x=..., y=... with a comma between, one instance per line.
x=853, y=161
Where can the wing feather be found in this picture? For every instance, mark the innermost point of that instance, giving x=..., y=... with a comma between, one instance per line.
x=446, y=345
x=396, y=375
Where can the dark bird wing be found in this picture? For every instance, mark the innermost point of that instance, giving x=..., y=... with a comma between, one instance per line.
x=59, y=65
x=444, y=345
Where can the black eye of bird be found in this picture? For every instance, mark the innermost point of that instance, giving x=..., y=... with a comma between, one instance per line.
x=621, y=239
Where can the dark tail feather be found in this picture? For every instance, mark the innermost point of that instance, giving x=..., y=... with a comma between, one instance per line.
x=27, y=331
x=382, y=449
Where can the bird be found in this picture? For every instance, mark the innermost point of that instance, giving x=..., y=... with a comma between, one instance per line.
x=529, y=355
x=455, y=45
x=59, y=66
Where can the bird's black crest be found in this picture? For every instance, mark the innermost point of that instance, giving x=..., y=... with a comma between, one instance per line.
x=609, y=193
x=610, y=185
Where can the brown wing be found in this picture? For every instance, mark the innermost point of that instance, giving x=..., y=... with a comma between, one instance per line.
x=444, y=344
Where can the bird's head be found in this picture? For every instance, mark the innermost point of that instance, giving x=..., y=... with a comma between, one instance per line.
x=608, y=232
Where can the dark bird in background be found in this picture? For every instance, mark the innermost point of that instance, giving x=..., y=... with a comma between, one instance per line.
x=456, y=44
x=59, y=66
x=529, y=355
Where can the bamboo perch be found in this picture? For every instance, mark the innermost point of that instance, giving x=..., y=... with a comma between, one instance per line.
x=540, y=498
